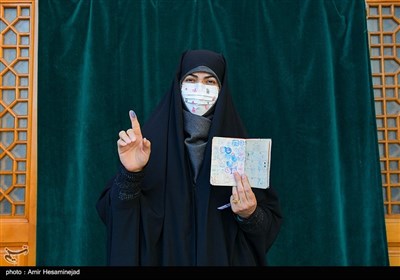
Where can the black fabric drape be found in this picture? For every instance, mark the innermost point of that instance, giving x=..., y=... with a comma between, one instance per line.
x=299, y=74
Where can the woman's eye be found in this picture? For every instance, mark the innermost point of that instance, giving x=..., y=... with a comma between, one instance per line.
x=189, y=80
x=212, y=82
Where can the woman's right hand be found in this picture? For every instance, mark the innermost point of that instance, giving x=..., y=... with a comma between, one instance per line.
x=133, y=149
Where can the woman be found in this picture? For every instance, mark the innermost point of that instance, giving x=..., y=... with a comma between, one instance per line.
x=160, y=208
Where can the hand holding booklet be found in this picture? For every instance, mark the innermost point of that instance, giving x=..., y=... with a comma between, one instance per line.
x=251, y=156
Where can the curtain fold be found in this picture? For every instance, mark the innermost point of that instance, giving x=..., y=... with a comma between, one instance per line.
x=299, y=74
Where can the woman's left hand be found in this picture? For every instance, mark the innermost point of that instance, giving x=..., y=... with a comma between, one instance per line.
x=243, y=200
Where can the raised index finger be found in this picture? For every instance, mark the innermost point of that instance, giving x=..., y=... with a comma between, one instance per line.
x=135, y=123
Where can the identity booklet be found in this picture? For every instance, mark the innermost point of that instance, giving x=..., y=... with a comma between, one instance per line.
x=251, y=156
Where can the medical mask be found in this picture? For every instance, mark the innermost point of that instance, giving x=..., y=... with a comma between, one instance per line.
x=199, y=98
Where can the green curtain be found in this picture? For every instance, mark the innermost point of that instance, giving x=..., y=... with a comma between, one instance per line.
x=299, y=72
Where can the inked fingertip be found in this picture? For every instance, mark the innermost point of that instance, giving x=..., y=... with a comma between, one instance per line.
x=132, y=114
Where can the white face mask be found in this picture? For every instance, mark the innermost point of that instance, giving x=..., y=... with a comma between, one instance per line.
x=199, y=98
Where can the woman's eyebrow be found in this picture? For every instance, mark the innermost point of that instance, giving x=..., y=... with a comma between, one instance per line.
x=205, y=77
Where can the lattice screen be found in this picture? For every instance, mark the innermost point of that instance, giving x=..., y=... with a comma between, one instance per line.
x=384, y=39
x=15, y=104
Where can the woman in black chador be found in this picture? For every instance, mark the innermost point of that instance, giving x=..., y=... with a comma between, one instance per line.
x=160, y=208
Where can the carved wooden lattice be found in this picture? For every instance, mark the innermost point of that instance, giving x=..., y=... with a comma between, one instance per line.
x=14, y=104
x=17, y=133
x=384, y=40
